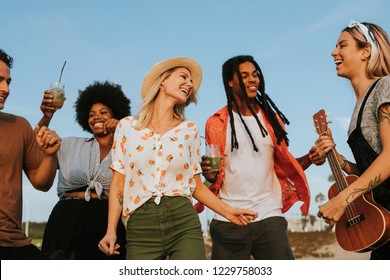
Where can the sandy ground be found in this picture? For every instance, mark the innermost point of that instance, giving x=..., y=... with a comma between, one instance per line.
x=313, y=246
x=338, y=254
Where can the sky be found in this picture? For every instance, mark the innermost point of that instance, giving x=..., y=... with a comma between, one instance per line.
x=120, y=40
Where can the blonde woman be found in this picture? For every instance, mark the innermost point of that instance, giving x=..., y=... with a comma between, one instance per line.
x=156, y=164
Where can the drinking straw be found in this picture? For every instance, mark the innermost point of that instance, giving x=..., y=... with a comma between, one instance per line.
x=204, y=140
x=62, y=70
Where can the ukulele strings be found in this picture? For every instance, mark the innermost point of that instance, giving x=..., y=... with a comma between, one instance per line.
x=341, y=182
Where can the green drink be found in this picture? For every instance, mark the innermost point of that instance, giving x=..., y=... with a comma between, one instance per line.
x=215, y=163
x=57, y=89
x=213, y=156
x=58, y=92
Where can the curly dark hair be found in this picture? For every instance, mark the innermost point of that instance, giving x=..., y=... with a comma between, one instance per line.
x=107, y=93
x=6, y=58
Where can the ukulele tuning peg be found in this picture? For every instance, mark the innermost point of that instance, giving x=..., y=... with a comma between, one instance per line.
x=327, y=114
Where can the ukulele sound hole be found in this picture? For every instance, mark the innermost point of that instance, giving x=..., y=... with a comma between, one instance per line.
x=355, y=220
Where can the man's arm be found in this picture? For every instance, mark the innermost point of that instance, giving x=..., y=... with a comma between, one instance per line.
x=42, y=177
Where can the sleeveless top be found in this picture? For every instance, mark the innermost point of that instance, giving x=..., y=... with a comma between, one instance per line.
x=364, y=155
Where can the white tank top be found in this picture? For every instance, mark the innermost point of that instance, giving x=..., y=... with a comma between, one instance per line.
x=250, y=180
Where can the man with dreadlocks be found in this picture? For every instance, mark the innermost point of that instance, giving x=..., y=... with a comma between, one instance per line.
x=257, y=171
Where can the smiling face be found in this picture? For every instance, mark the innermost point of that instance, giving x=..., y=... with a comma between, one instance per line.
x=98, y=115
x=5, y=80
x=178, y=85
x=350, y=60
x=250, y=78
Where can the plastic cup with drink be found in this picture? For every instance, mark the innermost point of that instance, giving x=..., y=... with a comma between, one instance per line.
x=57, y=89
x=213, y=157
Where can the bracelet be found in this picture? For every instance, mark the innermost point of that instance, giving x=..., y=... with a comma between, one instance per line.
x=344, y=163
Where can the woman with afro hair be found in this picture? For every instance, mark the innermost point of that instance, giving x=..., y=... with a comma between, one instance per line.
x=79, y=219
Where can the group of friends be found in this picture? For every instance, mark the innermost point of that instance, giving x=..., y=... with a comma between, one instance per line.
x=126, y=192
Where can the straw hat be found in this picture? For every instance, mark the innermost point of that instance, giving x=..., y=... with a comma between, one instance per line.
x=162, y=66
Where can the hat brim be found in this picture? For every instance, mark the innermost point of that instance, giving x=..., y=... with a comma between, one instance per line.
x=165, y=65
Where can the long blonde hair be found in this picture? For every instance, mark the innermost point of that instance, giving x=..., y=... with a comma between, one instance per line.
x=147, y=108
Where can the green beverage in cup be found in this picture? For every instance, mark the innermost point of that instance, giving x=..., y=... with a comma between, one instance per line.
x=213, y=156
x=57, y=89
x=215, y=163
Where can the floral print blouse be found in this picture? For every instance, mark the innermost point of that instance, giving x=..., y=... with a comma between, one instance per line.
x=155, y=165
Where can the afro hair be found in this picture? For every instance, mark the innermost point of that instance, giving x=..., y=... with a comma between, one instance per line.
x=107, y=93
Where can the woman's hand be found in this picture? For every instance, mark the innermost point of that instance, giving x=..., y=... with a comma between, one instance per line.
x=47, y=140
x=47, y=105
x=108, y=244
x=241, y=217
x=110, y=125
x=332, y=210
x=324, y=144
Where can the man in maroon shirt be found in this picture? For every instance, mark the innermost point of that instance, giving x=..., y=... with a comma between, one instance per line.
x=21, y=149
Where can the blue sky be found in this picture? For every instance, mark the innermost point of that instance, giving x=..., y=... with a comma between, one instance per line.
x=119, y=41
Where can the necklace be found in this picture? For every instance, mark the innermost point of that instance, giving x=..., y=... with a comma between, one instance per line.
x=164, y=129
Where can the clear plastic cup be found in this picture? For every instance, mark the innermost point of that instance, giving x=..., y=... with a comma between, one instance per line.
x=213, y=156
x=57, y=89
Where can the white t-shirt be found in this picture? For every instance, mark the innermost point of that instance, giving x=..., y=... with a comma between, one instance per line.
x=250, y=180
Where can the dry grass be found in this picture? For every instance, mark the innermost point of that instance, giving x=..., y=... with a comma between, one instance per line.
x=308, y=244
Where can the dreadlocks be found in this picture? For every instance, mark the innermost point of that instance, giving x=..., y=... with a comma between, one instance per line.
x=230, y=67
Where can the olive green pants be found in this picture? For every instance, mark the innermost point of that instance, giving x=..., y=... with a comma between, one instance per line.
x=169, y=230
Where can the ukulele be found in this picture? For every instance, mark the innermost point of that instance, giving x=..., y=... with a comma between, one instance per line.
x=365, y=225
